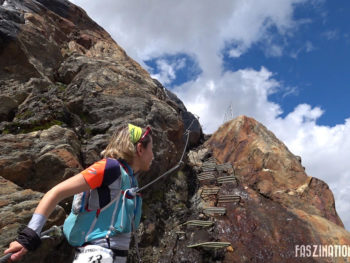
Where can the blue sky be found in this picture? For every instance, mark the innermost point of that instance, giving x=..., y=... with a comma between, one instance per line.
x=314, y=68
x=284, y=63
x=316, y=64
x=184, y=72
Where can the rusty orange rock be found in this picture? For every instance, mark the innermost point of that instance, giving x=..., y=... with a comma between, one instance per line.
x=281, y=206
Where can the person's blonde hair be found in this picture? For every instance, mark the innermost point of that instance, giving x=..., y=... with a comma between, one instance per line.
x=121, y=147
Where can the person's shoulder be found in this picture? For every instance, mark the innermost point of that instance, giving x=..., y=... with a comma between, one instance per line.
x=111, y=163
x=94, y=173
x=112, y=171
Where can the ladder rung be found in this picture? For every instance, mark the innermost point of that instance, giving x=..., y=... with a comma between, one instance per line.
x=206, y=194
x=229, y=196
x=228, y=181
x=215, y=210
x=206, y=172
x=228, y=201
x=209, y=163
x=211, y=190
x=199, y=223
x=211, y=244
x=209, y=166
x=229, y=177
x=225, y=166
x=205, y=177
x=210, y=193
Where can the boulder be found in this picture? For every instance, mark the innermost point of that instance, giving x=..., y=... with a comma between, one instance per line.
x=281, y=206
x=39, y=160
x=8, y=107
x=191, y=122
x=264, y=164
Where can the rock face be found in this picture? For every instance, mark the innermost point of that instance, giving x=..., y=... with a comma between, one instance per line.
x=248, y=199
x=281, y=206
x=244, y=197
x=83, y=81
x=66, y=86
x=264, y=164
x=41, y=159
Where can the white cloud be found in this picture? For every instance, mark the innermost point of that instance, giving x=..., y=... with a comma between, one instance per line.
x=307, y=47
x=331, y=34
x=235, y=53
x=246, y=90
x=287, y=91
x=152, y=29
x=167, y=70
x=274, y=51
x=166, y=74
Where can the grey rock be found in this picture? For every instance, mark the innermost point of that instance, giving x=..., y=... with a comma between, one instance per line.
x=8, y=107
x=190, y=121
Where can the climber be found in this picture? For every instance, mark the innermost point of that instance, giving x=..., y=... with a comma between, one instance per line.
x=106, y=206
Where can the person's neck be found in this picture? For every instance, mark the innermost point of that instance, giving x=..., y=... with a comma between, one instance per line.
x=129, y=166
x=134, y=167
x=135, y=164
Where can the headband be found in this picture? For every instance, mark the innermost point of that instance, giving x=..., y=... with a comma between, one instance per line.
x=135, y=133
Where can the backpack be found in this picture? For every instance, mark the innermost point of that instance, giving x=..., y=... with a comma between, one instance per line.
x=87, y=222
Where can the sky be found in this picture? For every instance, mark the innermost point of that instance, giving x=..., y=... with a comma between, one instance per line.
x=284, y=63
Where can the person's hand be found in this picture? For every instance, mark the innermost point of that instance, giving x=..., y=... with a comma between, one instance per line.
x=17, y=249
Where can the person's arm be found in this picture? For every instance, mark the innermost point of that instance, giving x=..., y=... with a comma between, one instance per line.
x=67, y=188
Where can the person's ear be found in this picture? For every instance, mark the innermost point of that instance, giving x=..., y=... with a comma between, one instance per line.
x=139, y=148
